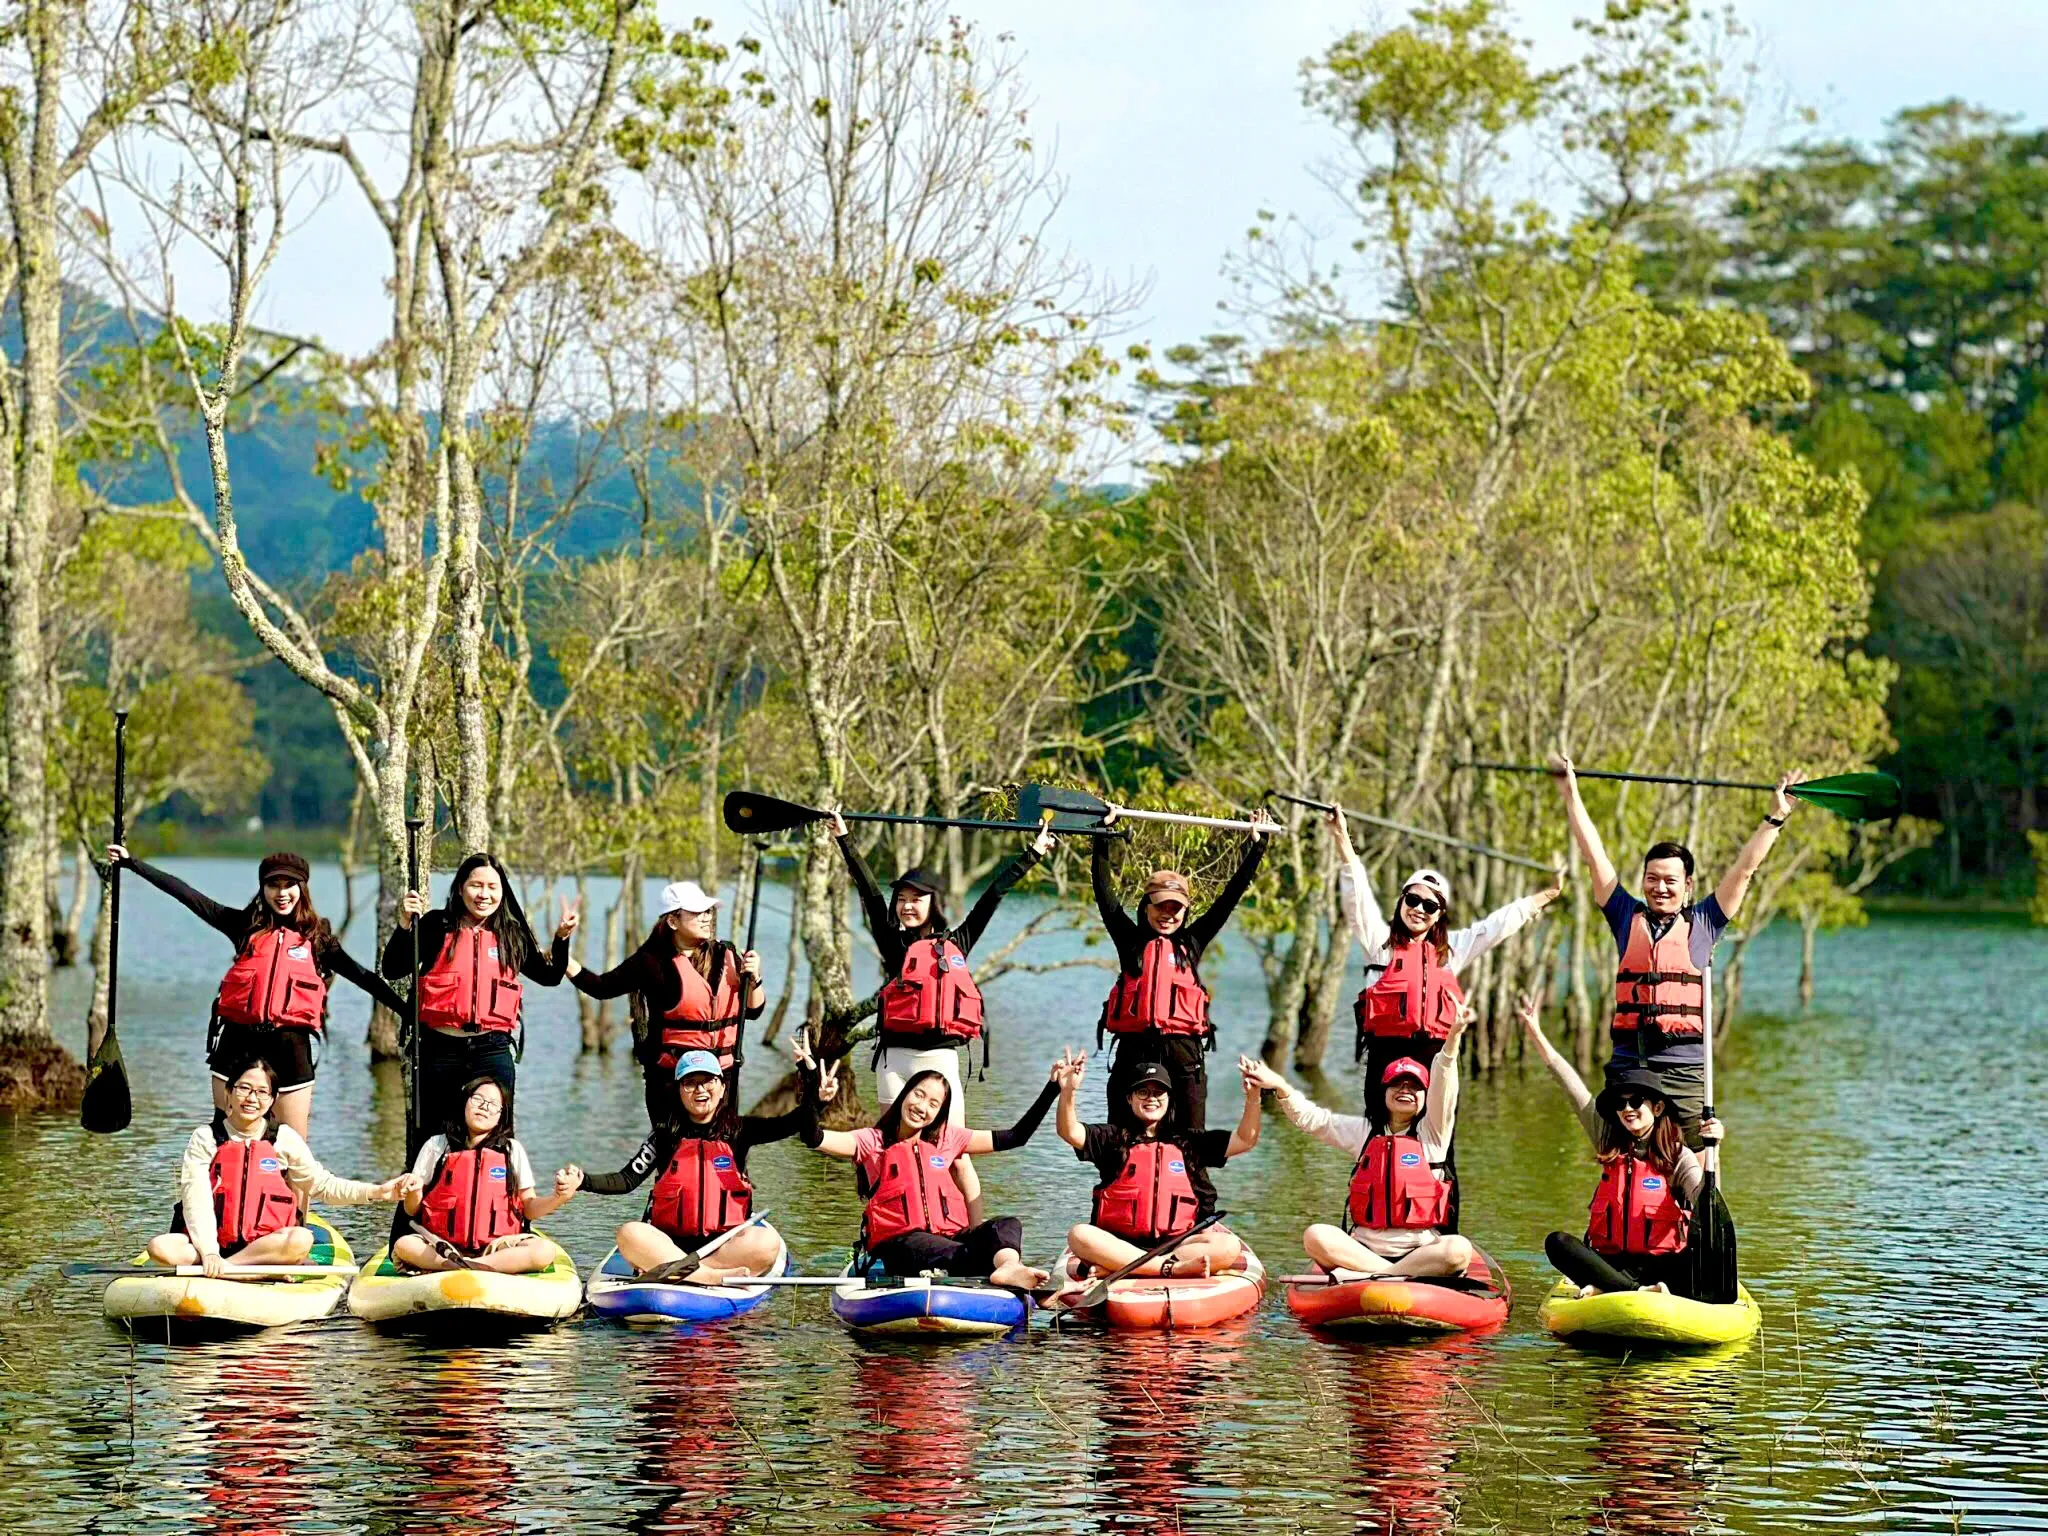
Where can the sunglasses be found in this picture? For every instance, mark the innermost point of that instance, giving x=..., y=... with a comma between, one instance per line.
x=1426, y=905
x=1635, y=1100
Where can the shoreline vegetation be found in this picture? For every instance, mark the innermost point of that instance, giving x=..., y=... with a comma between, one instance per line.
x=1511, y=478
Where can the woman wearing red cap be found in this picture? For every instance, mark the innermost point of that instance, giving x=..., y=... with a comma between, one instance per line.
x=930, y=1006
x=1400, y=1200
x=1159, y=1010
x=1412, y=964
x=696, y=991
x=1639, y=1227
x=272, y=1002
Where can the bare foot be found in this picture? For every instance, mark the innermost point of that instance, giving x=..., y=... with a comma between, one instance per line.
x=1659, y=1289
x=1018, y=1276
x=1586, y=1292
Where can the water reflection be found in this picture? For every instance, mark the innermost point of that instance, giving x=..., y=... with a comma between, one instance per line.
x=688, y=1444
x=1156, y=1396
x=258, y=1429
x=913, y=1449
x=1657, y=1422
x=452, y=1469
x=1409, y=1407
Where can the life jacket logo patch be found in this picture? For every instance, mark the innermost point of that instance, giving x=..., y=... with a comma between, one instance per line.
x=498, y=1175
x=937, y=1161
x=721, y=1162
x=1410, y=1159
x=269, y=1164
x=1650, y=1181
x=1176, y=1167
x=298, y=951
x=492, y=952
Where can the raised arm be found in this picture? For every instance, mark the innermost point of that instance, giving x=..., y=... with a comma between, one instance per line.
x=1122, y=930
x=1344, y=1132
x=1503, y=923
x=1440, y=1104
x=1006, y=878
x=1246, y=1136
x=1202, y=931
x=1734, y=885
x=874, y=906
x=1068, y=1124
x=230, y=922
x=1355, y=896
x=548, y=970
x=1584, y=833
x=1015, y=1136
x=1569, y=1080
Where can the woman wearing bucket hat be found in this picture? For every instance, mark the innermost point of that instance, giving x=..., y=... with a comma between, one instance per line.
x=1398, y=1207
x=1639, y=1226
x=273, y=1000
x=929, y=1004
x=1158, y=1010
x=1411, y=996
x=696, y=993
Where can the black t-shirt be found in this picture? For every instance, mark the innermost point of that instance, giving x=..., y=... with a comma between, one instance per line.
x=1107, y=1146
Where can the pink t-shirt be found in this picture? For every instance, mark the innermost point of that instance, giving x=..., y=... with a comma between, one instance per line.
x=868, y=1149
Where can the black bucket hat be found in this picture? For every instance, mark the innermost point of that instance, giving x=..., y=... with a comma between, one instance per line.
x=1630, y=1079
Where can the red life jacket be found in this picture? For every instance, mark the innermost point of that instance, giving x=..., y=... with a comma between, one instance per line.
x=1151, y=1198
x=701, y=1192
x=705, y=1017
x=274, y=983
x=1658, y=991
x=1636, y=1211
x=471, y=1199
x=914, y=1193
x=469, y=987
x=934, y=991
x=1394, y=1185
x=1165, y=995
x=251, y=1195
x=1415, y=995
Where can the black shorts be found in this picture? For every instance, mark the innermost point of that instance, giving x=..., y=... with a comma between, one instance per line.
x=291, y=1051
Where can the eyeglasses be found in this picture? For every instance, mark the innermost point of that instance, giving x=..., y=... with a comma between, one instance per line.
x=1427, y=906
x=484, y=1096
x=252, y=1091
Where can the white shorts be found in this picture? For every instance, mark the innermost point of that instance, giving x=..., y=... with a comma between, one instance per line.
x=898, y=1065
x=1394, y=1242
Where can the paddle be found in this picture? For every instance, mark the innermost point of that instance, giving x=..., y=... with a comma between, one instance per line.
x=1097, y=1290
x=1404, y=828
x=106, y=1106
x=1075, y=810
x=415, y=1105
x=748, y=813
x=1851, y=796
x=679, y=1270
x=197, y=1271
x=1711, y=1246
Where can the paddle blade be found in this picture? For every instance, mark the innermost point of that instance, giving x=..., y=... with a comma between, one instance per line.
x=106, y=1107
x=1853, y=796
x=1710, y=1250
x=1072, y=810
x=748, y=813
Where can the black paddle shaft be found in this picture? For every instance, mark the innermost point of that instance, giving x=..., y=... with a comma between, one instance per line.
x=750, y=815
x=415, y=1102
x=114, y=874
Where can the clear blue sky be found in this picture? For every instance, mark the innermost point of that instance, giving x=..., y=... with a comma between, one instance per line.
x=1175, y=120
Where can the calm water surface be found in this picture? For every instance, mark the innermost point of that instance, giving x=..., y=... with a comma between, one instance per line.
x=1886, y=1172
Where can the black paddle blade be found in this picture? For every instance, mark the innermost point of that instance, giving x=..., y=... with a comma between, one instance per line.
x=748, y=813
x=106, y=1107
x=1072, y=810
x=1853, y=796
x=1710, y=1249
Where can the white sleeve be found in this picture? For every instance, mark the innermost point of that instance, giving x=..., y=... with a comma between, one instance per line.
x=1440, y=1107
x=312, y=1180
x=195, y=1191
x=1468, y=944
x=1361, y=909
x=1344, y=1132
x=522, y=1168
x=432, y=1150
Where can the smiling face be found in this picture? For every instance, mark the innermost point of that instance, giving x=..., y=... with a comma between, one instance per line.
x=923, y=1103
x=913, y=907
x=1418, y=909
x=483, y=892
x=281, y=894
x=484, y=1108
x=1666, y=886
x=1637, y=1111
x=250, y=1095
x=1149, y=1103
x=1404, y=1101
x=701, y=1094
x=694, y=929
x=1165, y=914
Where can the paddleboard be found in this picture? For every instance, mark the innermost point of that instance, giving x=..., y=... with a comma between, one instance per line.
x=392, y=1296
x=1157, y=1301
x=617, y=1292
x=1380, y=1305
x=925, y=1308
x=195, y=1306
x=1649, y=1317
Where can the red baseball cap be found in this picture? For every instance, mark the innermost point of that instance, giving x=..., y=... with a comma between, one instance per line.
x=1406, y=1066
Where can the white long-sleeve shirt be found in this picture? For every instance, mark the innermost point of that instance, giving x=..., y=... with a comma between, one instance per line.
x=1349, y=1133
x=301, y=1168
x=1369, y=925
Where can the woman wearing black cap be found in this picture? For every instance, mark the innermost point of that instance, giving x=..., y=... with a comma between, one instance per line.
x=930, y=1006
x=272, y=1002
x=473, y=951
x=1641, y=1217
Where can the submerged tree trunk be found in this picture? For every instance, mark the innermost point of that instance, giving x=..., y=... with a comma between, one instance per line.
x=1809, y=931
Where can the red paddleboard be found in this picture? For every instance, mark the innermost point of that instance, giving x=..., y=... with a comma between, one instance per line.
x=1404, y=1306
x=1176, y=1301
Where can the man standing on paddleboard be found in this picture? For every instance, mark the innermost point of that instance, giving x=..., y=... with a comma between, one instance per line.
x=1663, y=942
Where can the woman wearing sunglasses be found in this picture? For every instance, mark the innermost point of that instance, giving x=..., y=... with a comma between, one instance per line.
x=1640, y=1223
x=1412, y=997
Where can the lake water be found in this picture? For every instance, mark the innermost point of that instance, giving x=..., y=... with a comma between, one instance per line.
x=1885, y=1170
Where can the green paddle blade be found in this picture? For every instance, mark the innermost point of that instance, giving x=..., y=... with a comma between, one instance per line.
x=1853, y=796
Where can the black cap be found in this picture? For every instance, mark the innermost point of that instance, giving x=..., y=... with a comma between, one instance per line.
x=1147, y=1072
x=1629, y=1079
x=919, y=879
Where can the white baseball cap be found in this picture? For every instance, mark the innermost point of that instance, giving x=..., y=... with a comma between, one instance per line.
x=685, y=896
x=1429, y=880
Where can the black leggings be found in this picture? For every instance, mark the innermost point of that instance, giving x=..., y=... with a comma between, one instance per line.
x=964, y=1255
x=1578, y=1263
x=448, y=1061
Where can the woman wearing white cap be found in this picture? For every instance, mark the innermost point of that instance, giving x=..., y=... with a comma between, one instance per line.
x=697, y=991
x=1400, y=1199
x=1411, y=1000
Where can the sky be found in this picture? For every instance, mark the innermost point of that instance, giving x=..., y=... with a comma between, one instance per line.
x=1174, y=121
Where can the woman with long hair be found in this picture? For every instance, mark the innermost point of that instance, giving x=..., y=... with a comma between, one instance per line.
x=1412, y=963
x=1400, y=1198
x=273, y=1000
x=473, y=1202
x=1639, y=1227
x=473, y=951
x=696, y=993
